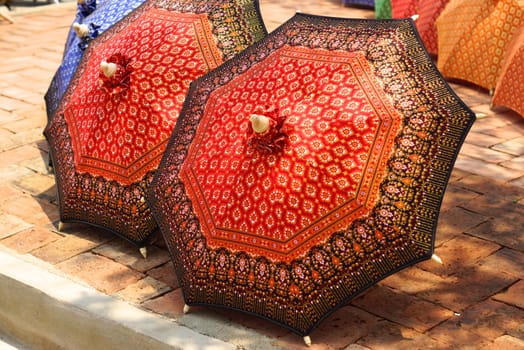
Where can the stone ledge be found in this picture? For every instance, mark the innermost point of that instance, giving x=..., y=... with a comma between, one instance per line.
x=44, y=310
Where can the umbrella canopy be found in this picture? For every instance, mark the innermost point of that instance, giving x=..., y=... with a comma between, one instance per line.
x=473, y=36
x=366, y=3
x=92, y=19
x=84, y=9
x=404, y=8
x=308, y=168
x=509, y=91
x=116, y=116
x=426, y=12
x=382, y=9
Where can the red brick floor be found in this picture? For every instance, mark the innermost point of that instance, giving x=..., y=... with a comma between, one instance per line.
x=474, y=300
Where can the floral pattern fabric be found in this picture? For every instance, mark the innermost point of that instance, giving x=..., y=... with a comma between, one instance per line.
x=372, y=131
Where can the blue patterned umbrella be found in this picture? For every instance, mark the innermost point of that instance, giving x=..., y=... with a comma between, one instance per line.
x=84, y=9
x=93, y=18
x=366, y=3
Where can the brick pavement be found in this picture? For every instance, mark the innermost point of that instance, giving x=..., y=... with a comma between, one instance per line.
x=473, y=301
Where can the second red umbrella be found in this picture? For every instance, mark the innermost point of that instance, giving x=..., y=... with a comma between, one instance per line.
x=114, y=121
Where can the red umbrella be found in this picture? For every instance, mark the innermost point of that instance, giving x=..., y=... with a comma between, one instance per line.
x=403, y=8
x=114, y=121
x=509, y=91
x=308, y=168
x=426, y=12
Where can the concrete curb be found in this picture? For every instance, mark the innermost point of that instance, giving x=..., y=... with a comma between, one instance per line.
x=44, y=310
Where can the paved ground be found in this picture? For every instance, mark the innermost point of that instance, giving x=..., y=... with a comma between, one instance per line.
x=475, y=300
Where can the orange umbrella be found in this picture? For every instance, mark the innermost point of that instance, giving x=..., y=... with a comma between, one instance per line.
x=510, y=86
x=473, y=36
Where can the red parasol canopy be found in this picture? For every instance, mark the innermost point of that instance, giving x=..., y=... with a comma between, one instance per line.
x=119, y=111
x=307, y=168
x=426, y=12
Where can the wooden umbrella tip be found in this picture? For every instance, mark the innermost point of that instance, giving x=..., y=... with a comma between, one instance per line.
x=260, y=123
x=81, y=29
x=307, y=340
x=108, y=68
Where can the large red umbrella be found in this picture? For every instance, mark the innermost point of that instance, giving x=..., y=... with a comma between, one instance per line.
x=509, y=91
x=308, y=168
x=114, y=121
x=473, y=37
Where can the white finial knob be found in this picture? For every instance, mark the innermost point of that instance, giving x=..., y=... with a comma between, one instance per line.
x=81, y=29
x=259, y=123
x=108, y=68
x=415, y=17
x=307, y=340
x=437, y=258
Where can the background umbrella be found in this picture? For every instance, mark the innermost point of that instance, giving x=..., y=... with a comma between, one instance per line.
x=308, y=168
x=382, y=9
x=509, y=91
x=426, y=12
x=96, y=18
x=403, y=8
x=120, y=108
x=84, y=9
x=367, y=3
x=473, y=36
